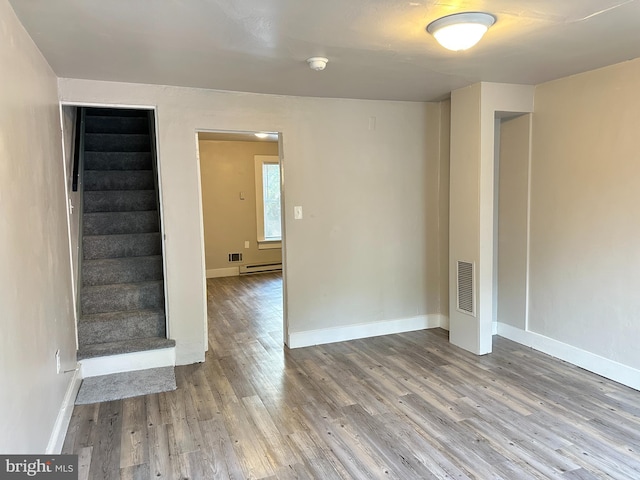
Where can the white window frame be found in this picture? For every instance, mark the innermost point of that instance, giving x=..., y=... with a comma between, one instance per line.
x=260, y=160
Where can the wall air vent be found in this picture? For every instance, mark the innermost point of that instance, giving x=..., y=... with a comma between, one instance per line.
x=466, y=298
x=235, y=257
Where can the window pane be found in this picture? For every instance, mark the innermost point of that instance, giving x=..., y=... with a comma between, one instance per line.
x=271, y=198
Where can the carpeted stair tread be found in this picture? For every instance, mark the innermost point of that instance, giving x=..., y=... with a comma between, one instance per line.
x=117, y=161
x=126, y=245
x=113, y=124
x=116, y=142
x=119, y=201
x=107, y=388
x=114, y=223
x=118, y=326
x=122, y=296
x=118, y=180
x=108, y=271
x=125, y=346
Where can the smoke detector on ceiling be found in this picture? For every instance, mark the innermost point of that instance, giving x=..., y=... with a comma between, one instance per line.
x=317, y=63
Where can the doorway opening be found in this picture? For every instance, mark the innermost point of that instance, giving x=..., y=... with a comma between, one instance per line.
x=241, y=192
x=512, y=170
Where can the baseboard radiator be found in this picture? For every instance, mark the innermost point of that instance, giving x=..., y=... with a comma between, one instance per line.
x=260, y=268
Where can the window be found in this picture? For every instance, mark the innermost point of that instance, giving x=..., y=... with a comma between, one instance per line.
x=268, y=201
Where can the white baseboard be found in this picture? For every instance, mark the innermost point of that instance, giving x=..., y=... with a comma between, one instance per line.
x=443, y=319
x=56, y=440
x=128, y=362
x=589, y=361
x=494, y=328
x=223, y=272
x=362, y=330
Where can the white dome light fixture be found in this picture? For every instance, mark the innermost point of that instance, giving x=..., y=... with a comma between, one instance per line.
x=461, y=31
x=317, y=63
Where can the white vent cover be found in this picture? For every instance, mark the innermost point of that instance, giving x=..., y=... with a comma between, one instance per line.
x=466, y=298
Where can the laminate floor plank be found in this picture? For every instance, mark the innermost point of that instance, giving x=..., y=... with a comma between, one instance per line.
x=249, y=447
x=406, y=406
x=160, y=461
x=105, y=439
x=83, y=419
x=218, y=451
x=135, y=472
x=134, y=445
x=84, y=462
x=385, y=444
x=427, y=449
x=320, y=461
x=545, y=461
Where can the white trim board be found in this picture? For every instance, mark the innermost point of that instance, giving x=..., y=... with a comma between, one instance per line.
x=128, y=362
x=223, y=272
x=362, y=330
x=59, y=432
x=589, y=361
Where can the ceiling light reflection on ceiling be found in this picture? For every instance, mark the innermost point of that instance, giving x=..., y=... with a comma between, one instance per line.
x=261, y=135
x=461, y=31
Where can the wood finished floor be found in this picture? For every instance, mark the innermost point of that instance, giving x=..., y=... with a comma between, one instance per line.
x=408, y=406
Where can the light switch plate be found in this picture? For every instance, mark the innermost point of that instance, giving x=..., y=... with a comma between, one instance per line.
x=297, y=213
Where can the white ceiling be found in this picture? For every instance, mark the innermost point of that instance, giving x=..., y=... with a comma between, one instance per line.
x=377, y=49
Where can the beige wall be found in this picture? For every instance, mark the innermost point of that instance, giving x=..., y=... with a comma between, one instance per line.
x=357, y=256
x=35, y=285
x=464, y=195
x=226, y=169
x=585, y=226
x=513, y=220
x=443, y=207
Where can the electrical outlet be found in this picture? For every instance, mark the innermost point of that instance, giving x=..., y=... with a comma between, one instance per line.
x=58, y=368
x=247, y=244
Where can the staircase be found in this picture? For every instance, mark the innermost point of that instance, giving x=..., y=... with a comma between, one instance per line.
x=122, y=285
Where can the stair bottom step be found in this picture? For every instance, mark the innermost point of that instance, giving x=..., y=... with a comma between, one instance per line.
x=125, y=346
x=117, y=386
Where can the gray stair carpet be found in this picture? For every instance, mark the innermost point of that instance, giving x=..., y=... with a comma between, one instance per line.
x=117, y=386
x=122, y=284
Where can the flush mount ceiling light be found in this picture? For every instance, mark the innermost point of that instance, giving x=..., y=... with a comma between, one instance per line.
x=317, y=63
x=461, y=31
x=261, y=135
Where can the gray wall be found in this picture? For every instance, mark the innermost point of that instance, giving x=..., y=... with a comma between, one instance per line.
x=35, y=285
